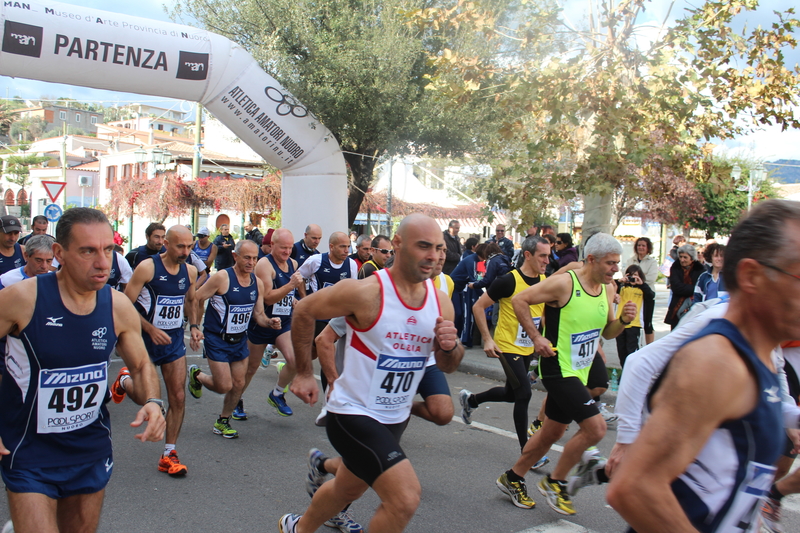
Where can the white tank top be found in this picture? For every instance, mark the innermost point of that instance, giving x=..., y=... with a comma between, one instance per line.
x=384, y=364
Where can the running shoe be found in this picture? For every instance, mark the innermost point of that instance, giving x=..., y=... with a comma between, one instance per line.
x=557, y=497
x=608, y=416
x=266, y=356
x=288, y=523
x=278, y=401
x=536, y=425
x=585, y=473
x=280, y=366
x=540, y=463
x=172, y=465
x=771, y=516
x=9, y=527
x=517, y=491
x=466, y=410
x=117, y=391
x=223, y=427
x=345, y=523
x=239, y=412
x=195, y=387
x=322, y=417
x=315, y=477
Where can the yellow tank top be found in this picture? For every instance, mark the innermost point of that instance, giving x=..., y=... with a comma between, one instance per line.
x=448, y=281
x=509, y=335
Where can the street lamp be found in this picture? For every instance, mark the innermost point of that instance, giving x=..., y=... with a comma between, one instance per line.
x=754, y=180
x=736, y=172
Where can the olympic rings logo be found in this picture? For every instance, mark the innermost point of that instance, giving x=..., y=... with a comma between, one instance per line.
x=286, y=103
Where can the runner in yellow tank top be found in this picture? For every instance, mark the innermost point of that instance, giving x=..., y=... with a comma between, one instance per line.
x=511, y=344
x=578, y=310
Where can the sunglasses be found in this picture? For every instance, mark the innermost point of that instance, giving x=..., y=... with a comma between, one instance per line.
x=559, y=242
x=384, y=251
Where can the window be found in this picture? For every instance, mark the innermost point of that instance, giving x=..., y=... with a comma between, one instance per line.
x=77, y=117
x=22, y=197
x=161, y=127
x=10, y=198
x=126, y=171
x=62, y=115
x=111, y=175
x=94, y=120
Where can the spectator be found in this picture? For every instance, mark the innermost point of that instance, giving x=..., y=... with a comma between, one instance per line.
x=677, y=242
x=497, y=264
x=469, y=246
x=642, y=256
x=363, y=249
x=505, y=244
x=353, y=239
x=565, y=251
x=454, y=248
x=548, y=230
x=632, y=288
x=710, y=284
x=553, y=267
x=253, y=233
x=463, y=296
x=224, y=243
x=683, y=276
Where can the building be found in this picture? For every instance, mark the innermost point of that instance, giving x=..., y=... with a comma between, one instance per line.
x=57, y=116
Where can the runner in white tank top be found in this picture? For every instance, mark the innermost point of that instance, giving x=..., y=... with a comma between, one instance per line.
x=394, y=321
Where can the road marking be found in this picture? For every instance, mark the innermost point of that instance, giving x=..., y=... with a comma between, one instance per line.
x=562, y=526
x=502, y=432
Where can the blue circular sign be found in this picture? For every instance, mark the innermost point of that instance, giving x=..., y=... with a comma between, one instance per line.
x=53, y=212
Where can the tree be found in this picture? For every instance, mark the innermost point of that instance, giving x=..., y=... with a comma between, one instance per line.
x=606, y=114
x=361, y=69
x=18, y=168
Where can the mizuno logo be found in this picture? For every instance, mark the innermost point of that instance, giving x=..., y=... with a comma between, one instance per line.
x=399, y=364
x=326, y=269
x=109, y=464
x=53, y=321
x=63, y=378
x=236, y=289
x=162, y=278
x=590, y=402
x=772, y=395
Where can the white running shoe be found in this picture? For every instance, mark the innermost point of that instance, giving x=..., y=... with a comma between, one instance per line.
x=585, y=473
x=466, y=410
x=608, y=416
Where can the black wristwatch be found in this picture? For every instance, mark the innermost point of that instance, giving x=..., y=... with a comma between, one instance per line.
x=194, y=326
x=159, y=403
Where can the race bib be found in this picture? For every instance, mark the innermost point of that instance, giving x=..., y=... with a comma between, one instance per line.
x=70, y=398
x=583, y=347
x=395, y=382
x=169, y=312
x=744, y=513
x=284, y=307
x=523, y=341
x=238, y=318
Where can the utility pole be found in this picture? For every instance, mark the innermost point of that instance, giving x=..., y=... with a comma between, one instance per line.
x=196, y=160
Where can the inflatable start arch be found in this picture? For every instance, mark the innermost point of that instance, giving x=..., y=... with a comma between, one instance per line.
x=79, y=46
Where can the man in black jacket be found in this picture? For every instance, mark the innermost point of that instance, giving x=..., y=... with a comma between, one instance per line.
x=454, y=249
x=253, y=233
x=224, y=243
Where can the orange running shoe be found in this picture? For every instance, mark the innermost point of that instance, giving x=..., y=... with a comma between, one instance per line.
x=117, y=392
x=172, y=465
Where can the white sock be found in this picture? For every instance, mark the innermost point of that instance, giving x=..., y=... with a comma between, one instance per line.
x=278, y=391
x=168, y=448
x=122, y=381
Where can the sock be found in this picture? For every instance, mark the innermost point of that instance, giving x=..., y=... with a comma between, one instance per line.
x=601, y=476
x=774, y=493
x=512, y=476
x=223, y=419
x=321, y=467
x=472, y=401
x=596, y=399
x=559, y=481
x=278, y=391
x=168, y=448
x=122, y=381
x=537, y=423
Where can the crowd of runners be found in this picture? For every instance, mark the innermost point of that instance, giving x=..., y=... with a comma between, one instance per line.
x=708, y=415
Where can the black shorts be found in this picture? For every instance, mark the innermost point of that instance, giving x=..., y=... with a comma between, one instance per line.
x=433, y=382
x=568, y=400
x=368, y=448
x=598, y=375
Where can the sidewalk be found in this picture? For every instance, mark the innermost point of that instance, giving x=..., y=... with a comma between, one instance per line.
x=476, y=362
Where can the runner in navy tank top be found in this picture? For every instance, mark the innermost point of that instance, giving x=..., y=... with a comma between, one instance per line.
x=55, y=435
x=704, y=458
x=234, y=299
x=10, y=250
x=278, y=274
x=161, y=288
x=367, y=417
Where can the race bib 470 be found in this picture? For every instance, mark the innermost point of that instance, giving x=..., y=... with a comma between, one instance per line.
x=395, y=381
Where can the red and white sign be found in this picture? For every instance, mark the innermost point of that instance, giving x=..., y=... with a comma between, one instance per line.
x=54, y=188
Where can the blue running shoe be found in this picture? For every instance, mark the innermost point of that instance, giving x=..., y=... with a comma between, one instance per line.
x=315, y=478
x=279, y=403
x=239, y=412
x=540, y=463
x=345, y=523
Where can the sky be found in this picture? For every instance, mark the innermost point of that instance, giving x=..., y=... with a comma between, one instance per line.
x=768, y=144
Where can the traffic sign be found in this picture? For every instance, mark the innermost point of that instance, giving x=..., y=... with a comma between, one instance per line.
x=53, y=212
x=54, y=188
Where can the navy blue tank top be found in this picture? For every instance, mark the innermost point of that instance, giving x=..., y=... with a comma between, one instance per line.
x=327, y=275
x=15, y=261
x=143, y=252
x=161, y=300
x=230, y=312
x=283, y=308
x=54, y=388
x=722, y=490
x=300, y=253
x=116, y=274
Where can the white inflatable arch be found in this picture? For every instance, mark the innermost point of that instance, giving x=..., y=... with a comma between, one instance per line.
x=80, y=46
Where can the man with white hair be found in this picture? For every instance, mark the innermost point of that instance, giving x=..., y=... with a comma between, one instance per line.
x=578, y=309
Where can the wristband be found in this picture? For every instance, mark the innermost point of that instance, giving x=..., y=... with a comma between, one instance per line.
x=159, y=403
x=194, y=326
x=451, y=349
x=623, y=322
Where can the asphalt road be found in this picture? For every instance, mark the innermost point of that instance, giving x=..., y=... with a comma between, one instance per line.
x=247, y=484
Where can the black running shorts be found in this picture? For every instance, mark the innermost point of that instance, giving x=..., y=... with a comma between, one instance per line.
x=368, y=448
x=568, y=400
